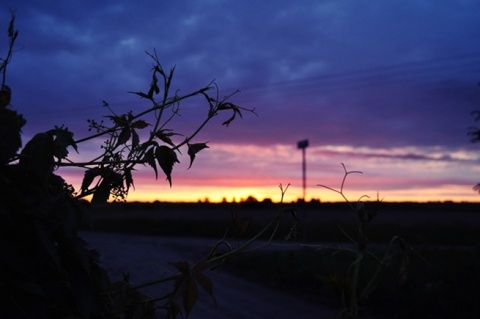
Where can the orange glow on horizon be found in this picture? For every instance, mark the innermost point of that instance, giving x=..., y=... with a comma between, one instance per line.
x=235, y=172
x=237, y=194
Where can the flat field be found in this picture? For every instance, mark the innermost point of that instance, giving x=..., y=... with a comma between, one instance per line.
x=430, y=223
x=443, y=272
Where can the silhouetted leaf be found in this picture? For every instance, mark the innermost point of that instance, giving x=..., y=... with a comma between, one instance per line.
x=88, y=178
x=139, y=124
x=153, y=86
x=141, y=94
x=186, y=284
x=183, y=290
x=166, y=158
x=150, y=159
x=165, y=135
x=236, y=111
x=129, y=178
x=110, y=180
x=36, y=159
x=102, y=193
x=118, y=120
x=63, y=139
x=193, y=149
x=135, y=139
x=225, y=106
x=205, y=282
x=124, y=136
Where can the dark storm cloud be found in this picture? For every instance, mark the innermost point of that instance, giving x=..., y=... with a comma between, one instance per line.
x=339, y=72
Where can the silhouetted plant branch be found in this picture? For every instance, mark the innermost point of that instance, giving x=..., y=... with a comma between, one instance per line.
x=271, y=226
x=124, y=149
x=46, y=271
x=350, y=291
x=12, y=34
x=342, y=185
x=185, y=294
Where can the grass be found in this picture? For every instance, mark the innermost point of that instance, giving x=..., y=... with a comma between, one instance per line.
x=446, y=287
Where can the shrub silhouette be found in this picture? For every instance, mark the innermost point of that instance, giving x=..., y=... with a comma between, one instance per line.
x=46, y=270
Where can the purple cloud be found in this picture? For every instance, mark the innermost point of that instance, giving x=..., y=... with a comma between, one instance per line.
x=380, y=75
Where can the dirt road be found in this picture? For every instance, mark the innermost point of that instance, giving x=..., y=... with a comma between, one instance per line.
x=146, y=258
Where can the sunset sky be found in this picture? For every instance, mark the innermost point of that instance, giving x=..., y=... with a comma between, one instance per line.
x=384, y=87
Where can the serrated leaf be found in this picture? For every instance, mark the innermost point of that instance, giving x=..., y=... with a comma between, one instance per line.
x=124, y=136
x=166, y=158
x=165, y=135
x=193, y=149
x=165, y=139
x=129, y=178
x=205, y=282
x=185, y=286
x=150, y=159
x=88, y=178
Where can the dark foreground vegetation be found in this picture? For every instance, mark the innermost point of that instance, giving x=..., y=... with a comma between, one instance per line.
x=444, y=287
x=419, y=223
x=442, y=282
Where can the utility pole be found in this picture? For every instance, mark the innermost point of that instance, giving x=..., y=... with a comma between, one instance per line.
x=303, y=145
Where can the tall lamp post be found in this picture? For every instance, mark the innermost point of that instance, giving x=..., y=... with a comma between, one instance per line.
x=303, y=145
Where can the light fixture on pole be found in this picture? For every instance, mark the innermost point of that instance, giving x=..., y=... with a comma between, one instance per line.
x=303, y=145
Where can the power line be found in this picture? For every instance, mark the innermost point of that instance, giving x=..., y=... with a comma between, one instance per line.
x=412, y=72
x=383, y=74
